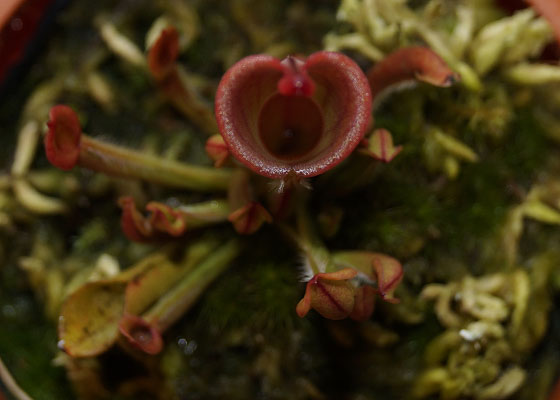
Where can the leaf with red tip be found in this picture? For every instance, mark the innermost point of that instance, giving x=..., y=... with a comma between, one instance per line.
x=141, y=334
x=162, y=222
x=249, y=218
x=330, y=294
x=385, y=269
x=217, y=150
x=333, y=299
x=248, y=215
x=174, y=83
x=389, y=274
x=295, y=118
x=62, y=141
x=381, y=147
x=133, y=223
x=164, y=219
x=410, y=63
x=164, y=53
x=304, y=304
x=364, y=302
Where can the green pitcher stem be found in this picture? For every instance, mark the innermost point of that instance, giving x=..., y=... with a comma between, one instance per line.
x=170, y=307
x=314, y=249
x=160, y=275
x=184, y=98
x=306, y=240
x=118, y=161
x=206, y=213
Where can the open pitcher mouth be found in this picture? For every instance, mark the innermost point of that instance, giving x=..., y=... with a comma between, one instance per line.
x=293, y=118
x=290, y=126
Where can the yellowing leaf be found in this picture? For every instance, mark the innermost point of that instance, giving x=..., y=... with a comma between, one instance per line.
x=541, y=212
x=454, y=146
x=533, y=74
x=89, y=319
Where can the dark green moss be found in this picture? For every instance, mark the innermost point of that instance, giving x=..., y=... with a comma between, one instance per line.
x=28, y=353
x=259, y=293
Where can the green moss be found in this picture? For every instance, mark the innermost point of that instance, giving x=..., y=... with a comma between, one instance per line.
x=259, y=293
x=28, y=353
x=409, y=209
x=438, y=227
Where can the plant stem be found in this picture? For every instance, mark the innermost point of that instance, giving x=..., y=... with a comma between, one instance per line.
x=10, y=383
x=162, y=276
x=316, y=252
x=182, y=95
x=119, y=161
x=206, y=213
x=307, y=241
x=176, y=302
